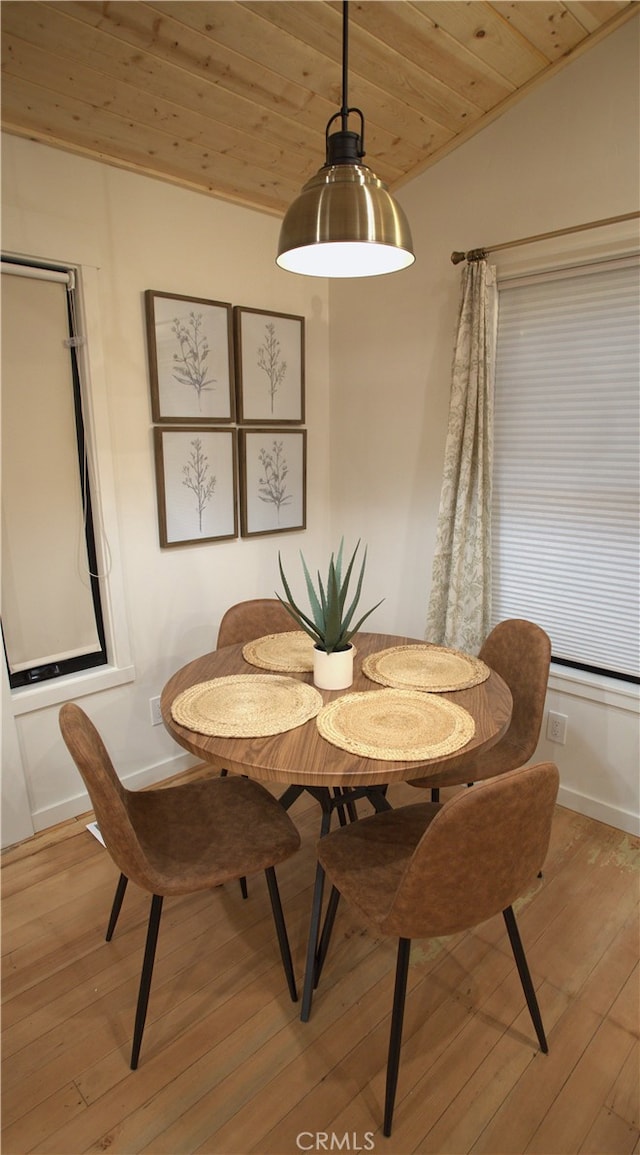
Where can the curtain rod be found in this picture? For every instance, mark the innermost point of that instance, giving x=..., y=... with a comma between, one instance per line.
x=479, y=254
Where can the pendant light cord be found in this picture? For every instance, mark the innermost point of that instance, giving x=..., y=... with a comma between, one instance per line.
x=344, y=147
x=344, y=111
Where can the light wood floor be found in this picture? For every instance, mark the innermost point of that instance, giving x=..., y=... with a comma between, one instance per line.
x=227, y=1068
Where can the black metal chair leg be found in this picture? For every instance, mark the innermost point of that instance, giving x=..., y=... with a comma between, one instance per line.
x=525, y=977
x=243, y=882
x=435, y=793
x=395, y=1037
x=281, y=931
x=145, y=977
x=325, y=937
x=117, y=903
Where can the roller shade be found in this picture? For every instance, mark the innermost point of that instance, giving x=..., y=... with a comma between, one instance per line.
x=47, y=604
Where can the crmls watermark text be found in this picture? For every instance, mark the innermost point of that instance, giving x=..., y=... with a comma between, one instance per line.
x=329, y=1141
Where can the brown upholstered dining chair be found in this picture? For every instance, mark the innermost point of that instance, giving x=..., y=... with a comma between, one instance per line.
x=489, y=844
x=180, y=839
x=246, y=621
x=520, y=652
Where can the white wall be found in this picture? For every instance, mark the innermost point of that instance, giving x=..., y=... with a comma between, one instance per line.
x=142, y=234
x=568, y=153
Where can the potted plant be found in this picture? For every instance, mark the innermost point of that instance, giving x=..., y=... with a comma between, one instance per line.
x=330, y=624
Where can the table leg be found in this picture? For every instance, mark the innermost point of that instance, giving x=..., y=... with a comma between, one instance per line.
x=342, y=797
x=377, y=796
x=314, y=926
x=289, y=797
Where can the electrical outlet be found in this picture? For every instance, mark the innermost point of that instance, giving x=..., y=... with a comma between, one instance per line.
x=557, y=727
x=154, y=709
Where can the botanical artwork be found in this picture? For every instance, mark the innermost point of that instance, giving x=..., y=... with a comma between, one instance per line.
x=273, y=480
x=190, y=357
x=270, y=367
x=197, y=478
x=271, y=362
x=196, y=485
x=272, y=484
x=190, y=363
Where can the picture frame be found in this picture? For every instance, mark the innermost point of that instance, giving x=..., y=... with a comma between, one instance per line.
x=196, y=472
x=270, y=367
x=273, y=481
x=190, y=349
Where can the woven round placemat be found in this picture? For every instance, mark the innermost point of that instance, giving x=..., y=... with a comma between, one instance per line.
x=396, y=725
x=435, y=669
x=246, y=706
x=289, y=653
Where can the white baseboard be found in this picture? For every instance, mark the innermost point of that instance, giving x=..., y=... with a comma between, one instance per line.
x=80, y=803
x=601, y=811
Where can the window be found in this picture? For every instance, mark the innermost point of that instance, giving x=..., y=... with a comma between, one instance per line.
x=51, y=605
x=566, y=477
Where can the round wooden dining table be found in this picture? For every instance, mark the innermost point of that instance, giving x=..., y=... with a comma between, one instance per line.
x=301, y=759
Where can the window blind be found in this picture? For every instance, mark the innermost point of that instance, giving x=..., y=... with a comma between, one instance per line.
x=48, y=611
x=566, y=464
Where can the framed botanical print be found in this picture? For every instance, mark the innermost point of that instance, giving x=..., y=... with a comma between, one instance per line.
x=190, y=344
x=273, y=480
x=269, y=358
x=196, y=483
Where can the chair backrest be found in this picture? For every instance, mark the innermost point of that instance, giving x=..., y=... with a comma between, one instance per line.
x=480, y=852
x=246, y=621
x=109, y=798
x=520, y=652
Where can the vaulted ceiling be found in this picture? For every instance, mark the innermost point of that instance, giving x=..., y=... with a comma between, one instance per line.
x=232, y=98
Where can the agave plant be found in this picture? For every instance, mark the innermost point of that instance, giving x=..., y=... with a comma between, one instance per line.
x=330, y=625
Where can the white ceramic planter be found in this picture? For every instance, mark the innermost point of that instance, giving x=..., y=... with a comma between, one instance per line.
x=333, y=671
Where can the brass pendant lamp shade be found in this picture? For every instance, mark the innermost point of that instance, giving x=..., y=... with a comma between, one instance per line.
x=345, y=223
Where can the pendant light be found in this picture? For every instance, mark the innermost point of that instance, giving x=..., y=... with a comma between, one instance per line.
x=344, y=223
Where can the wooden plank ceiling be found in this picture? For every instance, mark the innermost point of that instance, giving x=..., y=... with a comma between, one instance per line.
x=232, y=98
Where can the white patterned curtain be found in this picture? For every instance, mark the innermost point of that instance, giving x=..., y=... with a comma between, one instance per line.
x=460, y=603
